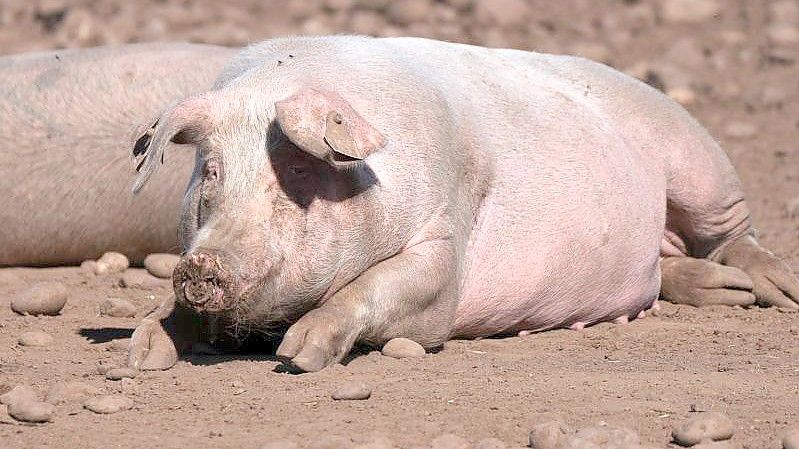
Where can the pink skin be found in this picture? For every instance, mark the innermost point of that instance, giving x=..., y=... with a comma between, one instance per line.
x=66, y=119
x=451, y=202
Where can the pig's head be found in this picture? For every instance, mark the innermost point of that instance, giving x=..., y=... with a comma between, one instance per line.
x=272, y=199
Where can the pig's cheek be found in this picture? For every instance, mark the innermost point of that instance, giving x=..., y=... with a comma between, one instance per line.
x=319, y=339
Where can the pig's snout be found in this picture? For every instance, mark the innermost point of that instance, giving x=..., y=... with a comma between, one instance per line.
x=202, y=283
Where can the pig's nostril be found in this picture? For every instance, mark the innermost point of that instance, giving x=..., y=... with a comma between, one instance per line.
x=201, y=282
x=199, y=292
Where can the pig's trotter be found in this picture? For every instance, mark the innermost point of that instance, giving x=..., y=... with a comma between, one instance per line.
x=701, y=282
x=774, y=282
x=320, y=338
x=409, y=295
x=161, y=336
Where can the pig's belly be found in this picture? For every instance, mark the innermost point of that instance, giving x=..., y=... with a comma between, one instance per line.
x=580, y=244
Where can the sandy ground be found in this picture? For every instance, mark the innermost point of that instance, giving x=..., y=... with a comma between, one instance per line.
x=735, y=68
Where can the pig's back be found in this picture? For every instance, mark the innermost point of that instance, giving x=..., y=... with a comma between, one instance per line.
x=571, y=227
x=68, y=121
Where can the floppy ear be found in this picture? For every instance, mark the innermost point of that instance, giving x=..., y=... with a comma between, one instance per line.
x=323, y=124
x=188, y=121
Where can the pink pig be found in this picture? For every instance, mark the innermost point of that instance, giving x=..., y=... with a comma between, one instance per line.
x=352, y=189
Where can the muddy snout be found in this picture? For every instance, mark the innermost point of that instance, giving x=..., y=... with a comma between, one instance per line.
x=202, y=283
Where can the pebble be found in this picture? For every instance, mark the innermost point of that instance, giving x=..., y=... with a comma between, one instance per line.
x=35, y=338
x=121, y=373
x=489, y=443
x=141, y=279
x=688, y=11
x=31, y=411
x=791, y=438
x=107, y=404
x=701, y=426
x=117, y=308
x=70, y=393
x=89, y=266
x=449, y=441
x=549, y=435
x=281, y=444
x=400, y=348
x=19, y=393
x=740, y=130
x=119, y=345
x=111, y=262
x=350, y=391
x=161, y=265
x=44, y=298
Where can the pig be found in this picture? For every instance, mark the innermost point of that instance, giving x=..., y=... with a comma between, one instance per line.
x=66, y=118
x=353, y=190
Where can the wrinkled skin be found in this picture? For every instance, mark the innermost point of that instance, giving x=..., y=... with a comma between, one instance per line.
x=67, y=118
x=450, y=201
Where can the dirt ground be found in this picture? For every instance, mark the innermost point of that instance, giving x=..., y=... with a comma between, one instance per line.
x=733, y=63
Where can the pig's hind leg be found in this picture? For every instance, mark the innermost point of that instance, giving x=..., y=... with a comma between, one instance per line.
x=717, y=259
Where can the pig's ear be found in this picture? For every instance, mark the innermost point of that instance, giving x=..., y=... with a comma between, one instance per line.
x=188, y=121
x=323, y=124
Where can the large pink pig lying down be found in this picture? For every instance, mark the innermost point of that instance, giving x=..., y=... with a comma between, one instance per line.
x=355, y=189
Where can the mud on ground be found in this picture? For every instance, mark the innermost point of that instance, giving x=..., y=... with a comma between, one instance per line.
x=733, y=63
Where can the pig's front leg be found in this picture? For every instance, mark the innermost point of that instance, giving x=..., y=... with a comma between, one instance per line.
x=162, y=335
x=409, y=295
x=702, y=282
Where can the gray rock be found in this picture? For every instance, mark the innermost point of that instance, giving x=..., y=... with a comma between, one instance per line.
x=714, y=426
x=31, y=411
x=121, y=373
x=44, y=298
x=111, y=262
x=117, y=307
x=161, y=265
x=35, y=338
x=107, y=404
x=549, y=435
x=353, y=390
x=19, y=393
x=400, y=348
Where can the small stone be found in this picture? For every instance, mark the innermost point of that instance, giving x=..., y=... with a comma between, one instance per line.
x=111, y=262
x=281, y=444
x=161, y=265
x=400, y=348
x=549, y=435
x=35, y=338
x=107, y=404
x=683, y=95
x=701, y=426
x=44, y=298
x=31, y=411
x=740, y=130
x=70, y=392
x=117, y=308
x=138, y=278
x=489, y=443
x=89, y=266
x=119, y=345
x=19, y=393
x=790, y=440
x=121, y=373
x=352, y=391
x=449, y=441
x=688, y=11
